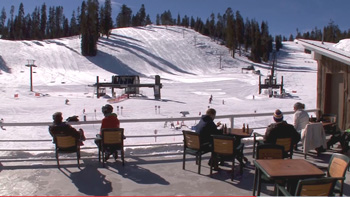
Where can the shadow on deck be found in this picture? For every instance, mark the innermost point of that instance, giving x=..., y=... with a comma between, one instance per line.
x=158, y=174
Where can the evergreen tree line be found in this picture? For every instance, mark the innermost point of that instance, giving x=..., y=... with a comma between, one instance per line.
x=92, y=20
x=231, y=30
x=330, y=33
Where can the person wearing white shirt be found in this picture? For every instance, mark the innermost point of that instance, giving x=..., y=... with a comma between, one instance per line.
x=301, y=117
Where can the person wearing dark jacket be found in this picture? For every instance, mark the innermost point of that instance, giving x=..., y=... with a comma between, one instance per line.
x=280, y=129
x=60, y=127
x=206, y=126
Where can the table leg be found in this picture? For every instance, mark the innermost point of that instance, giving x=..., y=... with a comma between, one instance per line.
x=255, y=180
x=259, y=183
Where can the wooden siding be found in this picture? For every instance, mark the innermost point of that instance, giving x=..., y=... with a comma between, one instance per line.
x=329, y=66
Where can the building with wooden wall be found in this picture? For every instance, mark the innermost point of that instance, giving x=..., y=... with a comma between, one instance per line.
x=333, y=78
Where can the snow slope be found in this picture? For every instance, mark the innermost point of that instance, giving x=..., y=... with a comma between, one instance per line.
x=188, y=63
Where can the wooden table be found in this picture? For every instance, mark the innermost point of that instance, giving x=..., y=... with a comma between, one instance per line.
x=239, y=132
x=284, y=169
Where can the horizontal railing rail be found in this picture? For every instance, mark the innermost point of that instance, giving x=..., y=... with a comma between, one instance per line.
x=231, y=118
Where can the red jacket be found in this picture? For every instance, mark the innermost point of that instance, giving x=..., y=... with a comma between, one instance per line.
x=110, y=121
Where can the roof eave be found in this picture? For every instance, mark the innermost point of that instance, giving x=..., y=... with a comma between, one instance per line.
x=325, y=52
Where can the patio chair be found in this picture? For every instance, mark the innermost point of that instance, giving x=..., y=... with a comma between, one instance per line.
x=193, y=146
x=285, y=142
x=256, y=142
x=338, y=164
x=112, y=140
x=66, y=144
x=288, y=146
x=224, y=148
x=266, y=151
x=311, y=187
x=332, y=118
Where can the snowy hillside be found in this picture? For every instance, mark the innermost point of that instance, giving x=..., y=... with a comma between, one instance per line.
x=187, y=62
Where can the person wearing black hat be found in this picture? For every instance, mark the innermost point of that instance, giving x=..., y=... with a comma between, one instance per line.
x=280, y=129
x=60, y=127
x=110, y=121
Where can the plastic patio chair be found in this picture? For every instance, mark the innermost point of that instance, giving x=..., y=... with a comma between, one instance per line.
x=112, y=140
x=193, y=146
x=266, y=151
x=224, y=148
x=66, y=144
x=311, y=187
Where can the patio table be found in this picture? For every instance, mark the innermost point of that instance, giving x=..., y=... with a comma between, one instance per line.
x=290, y=170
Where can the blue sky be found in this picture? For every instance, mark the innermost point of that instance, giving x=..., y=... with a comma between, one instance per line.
x=283, y=16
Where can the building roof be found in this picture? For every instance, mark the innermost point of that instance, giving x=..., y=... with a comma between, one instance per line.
x=332, y=50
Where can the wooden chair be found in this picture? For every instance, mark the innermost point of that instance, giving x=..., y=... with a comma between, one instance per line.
x=312, y=187
x=256, y=142
x=111, y=140
x=338, y=164
x=266, y=151
x=66, y=144
x=224, y=148
x=193, y=146
x=288, y=146
x=332, y=118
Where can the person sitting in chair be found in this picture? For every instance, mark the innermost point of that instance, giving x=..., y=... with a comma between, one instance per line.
x=206, y=127
x=280, y=129
x=110, y=121
x=60, y=127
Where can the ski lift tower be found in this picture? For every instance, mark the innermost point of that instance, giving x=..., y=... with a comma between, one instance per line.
x=271, y=81
x=31, y=65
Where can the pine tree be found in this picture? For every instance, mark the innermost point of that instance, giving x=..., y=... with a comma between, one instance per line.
x=247, y=35
x=291, y=38
x=278, y=41
x=43, y=22
x=11, y=24
x=211, y=26
x=142, y=16
x=106, y=18
x=148, y=20
x=19, y=23
x=193, y=22
x=2, y=23
x=124, y=17
x=157, y=19
x=219, y=27
x=230, y=32
x=74, y=28
x=35, y=26
x=239, y=31
x=90, y=28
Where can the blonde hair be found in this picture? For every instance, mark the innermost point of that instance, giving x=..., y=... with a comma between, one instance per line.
x=299, y=105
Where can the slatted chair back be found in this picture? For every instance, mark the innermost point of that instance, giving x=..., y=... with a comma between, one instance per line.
x=338, y=164
x=287, y=144
x=65, y=141
x=191, y=140
x=315, y=187
x=194, y=146
x=224, y=146
x=112, y=139
x=269, y=151
x=66, y=144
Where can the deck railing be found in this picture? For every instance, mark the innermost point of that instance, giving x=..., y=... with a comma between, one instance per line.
x=230, y=117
